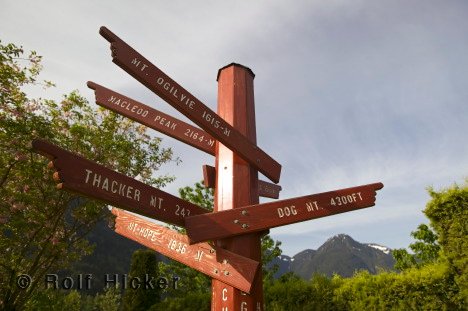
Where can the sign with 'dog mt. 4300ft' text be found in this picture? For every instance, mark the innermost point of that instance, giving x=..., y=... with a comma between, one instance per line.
x=264, y=216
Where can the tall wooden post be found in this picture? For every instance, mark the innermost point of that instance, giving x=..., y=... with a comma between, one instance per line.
x=237, y=183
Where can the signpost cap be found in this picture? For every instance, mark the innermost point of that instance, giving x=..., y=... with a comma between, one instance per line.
x=238, y=65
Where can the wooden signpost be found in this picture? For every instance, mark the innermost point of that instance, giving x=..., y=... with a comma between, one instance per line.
x=238, y=221
x=213, y=261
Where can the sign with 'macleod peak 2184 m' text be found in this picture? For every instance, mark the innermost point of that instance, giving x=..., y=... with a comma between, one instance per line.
x=153, y=118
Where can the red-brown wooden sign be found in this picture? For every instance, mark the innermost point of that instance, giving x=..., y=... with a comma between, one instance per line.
x=268, y=190
x=157, y=81
x=153, y=118
x=265, y=189
x=274, y=214
x=85, y=177
x=218, y=263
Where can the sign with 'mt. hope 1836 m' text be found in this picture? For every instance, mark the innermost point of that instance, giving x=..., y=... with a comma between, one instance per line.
x=211, y=260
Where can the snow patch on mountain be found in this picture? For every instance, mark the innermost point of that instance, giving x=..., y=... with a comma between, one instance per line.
x=384, y=249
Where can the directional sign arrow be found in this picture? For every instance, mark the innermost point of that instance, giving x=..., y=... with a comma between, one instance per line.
x=153, y=118
x=265, y=189
x=162, y=85
x=85, y=177
x=218, y=263
x=214, y=226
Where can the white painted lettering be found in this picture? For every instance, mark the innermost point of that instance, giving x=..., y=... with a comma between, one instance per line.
x=97, y=179
x=311, y=206
x=135, y=62
x=88, y=172
x=286, y=211
x=122, y=189
x=280, y=212
x=105, y=184
x=114, y=186
x=129, y=192
x=156, y=202
x=137, y=195
x=199, y=255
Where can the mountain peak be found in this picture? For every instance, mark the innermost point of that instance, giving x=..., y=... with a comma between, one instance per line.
x=341, y=237
x=340, y=254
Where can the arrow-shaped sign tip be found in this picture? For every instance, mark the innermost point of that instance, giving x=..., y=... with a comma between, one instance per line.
x=115, y=211
x=44, y=148
x=379, y=186
x=92, y=85
x=107, y=34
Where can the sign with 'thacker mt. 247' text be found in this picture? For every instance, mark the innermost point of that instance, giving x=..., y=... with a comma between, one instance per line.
x=93, y=180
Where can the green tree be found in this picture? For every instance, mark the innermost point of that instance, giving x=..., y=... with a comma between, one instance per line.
x=141, y=295
x=434, y=278
x=419, y=288
x=42, y=229
x=290, y=292
x=448, y=213
x=108, y=301
x=426, y=249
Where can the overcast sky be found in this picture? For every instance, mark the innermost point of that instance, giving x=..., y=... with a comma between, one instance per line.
x=346, y=92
